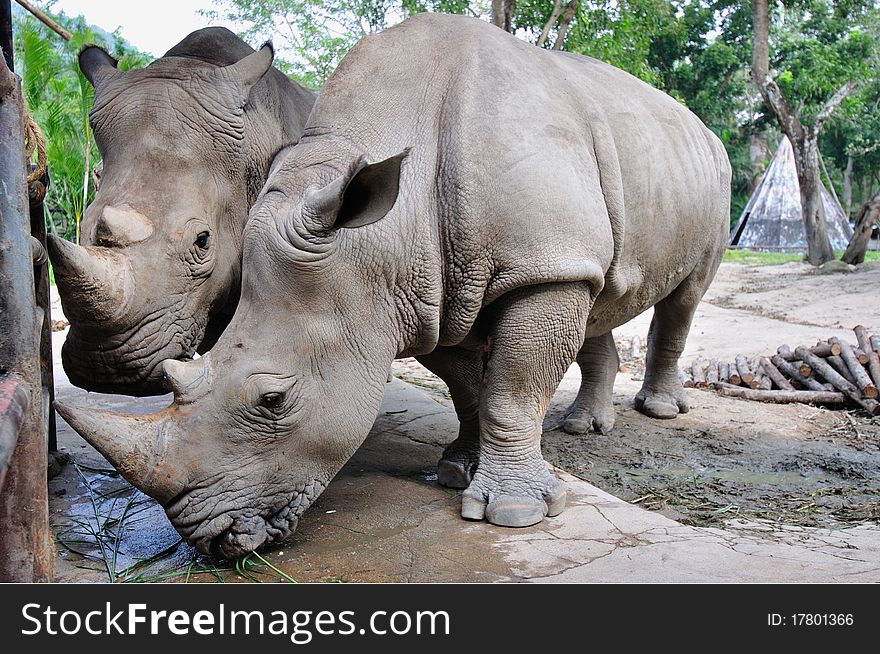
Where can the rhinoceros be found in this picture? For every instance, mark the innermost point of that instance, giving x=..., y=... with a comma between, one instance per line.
x=186, y=145
x=487, y=206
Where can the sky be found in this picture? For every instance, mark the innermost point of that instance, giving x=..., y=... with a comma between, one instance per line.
x=152, y=26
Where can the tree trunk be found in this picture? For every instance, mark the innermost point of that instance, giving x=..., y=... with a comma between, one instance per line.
x=565, y=23
x=554, y=16
x=847, y=186
x=502, y=13
x=760, y=41
x=858, y=244
x=806, y=158
x=758, y=155
x=804, y=139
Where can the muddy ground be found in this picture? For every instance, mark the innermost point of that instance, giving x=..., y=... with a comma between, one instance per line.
x=730, y=458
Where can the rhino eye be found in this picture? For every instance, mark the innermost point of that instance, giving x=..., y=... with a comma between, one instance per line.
x=202, y=241
x=272, y=400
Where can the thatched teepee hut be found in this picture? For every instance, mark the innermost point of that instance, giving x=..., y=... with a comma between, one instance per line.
x=772, y=218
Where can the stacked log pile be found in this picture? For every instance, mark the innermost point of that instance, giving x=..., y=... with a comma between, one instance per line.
x=833, y=372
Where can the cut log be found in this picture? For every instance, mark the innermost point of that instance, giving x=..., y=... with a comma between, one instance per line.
x=875, y=343
x=864, y=340
x=825, y=349
x=859, y=376
x=821, y=349
x=742, y=367
x=843, y=385
x=733, y=377
x=764, y=382
x=839, y=366
x=775, y=376
x=635, y=347
x=792, y=373
x=860, y=354
x=698, y=374
x=785, y=352
x=874, y=368
x=724, y=372
x=685, y=379
x=712, y=373
x=782, y=397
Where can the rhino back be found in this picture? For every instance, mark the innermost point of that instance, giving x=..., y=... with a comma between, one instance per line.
x=535, y=166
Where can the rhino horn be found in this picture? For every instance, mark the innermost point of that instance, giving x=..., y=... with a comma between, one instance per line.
x=188, y=379
x=136, y=445
x=95, y=283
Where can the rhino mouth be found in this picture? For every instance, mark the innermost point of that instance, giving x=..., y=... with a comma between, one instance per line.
x=232, y=533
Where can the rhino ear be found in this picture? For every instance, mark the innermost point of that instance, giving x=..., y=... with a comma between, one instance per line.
x=362, y=196
x=97, y=65
x=250, y=70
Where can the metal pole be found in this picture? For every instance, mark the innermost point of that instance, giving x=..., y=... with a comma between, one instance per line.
x=25, y=541
x=36, y=195
x=6, y=33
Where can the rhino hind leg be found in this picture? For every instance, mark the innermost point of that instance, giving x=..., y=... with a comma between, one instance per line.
x=593, y=408
x=662, y=395
x=462, y=370
x=534, y=336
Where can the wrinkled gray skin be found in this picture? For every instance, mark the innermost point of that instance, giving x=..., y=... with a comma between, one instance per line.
x=519, y=210
x=186, y=146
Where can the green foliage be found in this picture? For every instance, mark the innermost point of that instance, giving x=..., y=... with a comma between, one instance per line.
x=817, y=47
x=59, y=98
x=312, y=36
x=698, y=51
x=627, y=33
x=750, y=258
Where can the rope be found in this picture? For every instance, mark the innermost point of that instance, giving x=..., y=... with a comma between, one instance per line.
x=34, y=140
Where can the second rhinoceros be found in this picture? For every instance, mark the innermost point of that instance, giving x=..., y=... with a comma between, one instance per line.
x=521, y=203
x=186, y=145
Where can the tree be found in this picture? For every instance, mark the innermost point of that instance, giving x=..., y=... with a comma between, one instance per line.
x=868, y=216
x=502, y=13
x=312, y=36
x=808, y=67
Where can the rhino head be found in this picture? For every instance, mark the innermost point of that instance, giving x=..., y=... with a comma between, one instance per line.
x=261, y=424
x=158, y=271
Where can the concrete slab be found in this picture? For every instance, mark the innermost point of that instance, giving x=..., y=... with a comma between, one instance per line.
x=385, y=519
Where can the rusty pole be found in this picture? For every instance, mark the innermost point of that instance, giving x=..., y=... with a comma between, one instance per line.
x=6, y=32
x=25, y=541
x=36, y=194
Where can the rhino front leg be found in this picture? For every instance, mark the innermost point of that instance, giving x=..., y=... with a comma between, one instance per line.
x=662, y=395
x=462, y=371
x=593, y=407
x=533, y=337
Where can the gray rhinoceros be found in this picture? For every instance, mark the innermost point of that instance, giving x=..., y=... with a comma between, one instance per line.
x=186, y=145
x=522, y=203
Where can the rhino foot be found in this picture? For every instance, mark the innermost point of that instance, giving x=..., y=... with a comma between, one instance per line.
x=581, y=419
x=458, y=464
x=506, y=503
x=662, y=404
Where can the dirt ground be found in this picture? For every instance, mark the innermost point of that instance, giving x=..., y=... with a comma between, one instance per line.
x=731, y=458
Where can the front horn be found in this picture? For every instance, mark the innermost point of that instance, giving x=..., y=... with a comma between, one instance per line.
x=136, y=445
x=94, y=283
